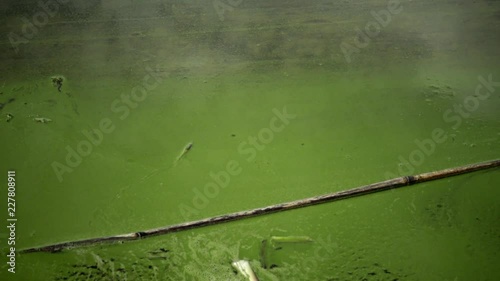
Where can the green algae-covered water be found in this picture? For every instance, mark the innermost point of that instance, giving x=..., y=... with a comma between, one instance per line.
x=281, y=100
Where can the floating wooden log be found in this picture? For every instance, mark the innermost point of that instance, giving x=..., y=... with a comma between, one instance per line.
x=362, y=190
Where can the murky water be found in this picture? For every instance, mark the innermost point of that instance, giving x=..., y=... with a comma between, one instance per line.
x=275, y=113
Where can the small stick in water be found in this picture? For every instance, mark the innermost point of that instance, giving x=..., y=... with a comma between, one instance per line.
x=184, y=152
x=288, y=239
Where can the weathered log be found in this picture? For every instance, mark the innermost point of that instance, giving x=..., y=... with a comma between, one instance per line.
x=362, y=190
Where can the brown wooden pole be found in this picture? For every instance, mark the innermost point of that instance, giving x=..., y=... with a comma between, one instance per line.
x=362, y=190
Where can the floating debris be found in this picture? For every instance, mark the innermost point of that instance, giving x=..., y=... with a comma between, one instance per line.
x=243, y=267
x=273, y=241
x=57, y=81
x=288, y=239
x=42, y=120
x=159, y=251
x=438, y=90
x=9, y=117
x=184, y=151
